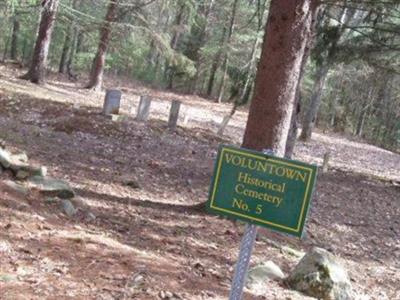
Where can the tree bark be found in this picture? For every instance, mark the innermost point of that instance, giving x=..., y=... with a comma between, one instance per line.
x=288, y=30
x=36, y=73
x=97, y=71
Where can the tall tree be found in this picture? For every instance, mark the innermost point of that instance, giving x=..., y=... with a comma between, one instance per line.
x=36, y=73
x=97, y=71
x=325, y=52
x=14, y=37
x=69, y=43
x=226, y=46
x=287, y=33
x=176, y=35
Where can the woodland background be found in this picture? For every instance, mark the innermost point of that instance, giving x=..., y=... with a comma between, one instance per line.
x=211, y=48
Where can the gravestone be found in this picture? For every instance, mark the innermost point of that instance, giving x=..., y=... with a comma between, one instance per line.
x=223, y=125
x=325, y=163
x=174, y=115
x=112, y=102
x=143, y=111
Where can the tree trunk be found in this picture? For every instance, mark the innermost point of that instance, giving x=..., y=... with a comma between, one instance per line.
x=215, y=65
x=72, y=53
x=6, y=48
x=62, y=68
x=14, y=38
x=250, y=71
x=36, y=73
x=287, y=33
x=170, y=69
x=226, y=54
x=97, y=71
x=322, y=72
x=313, y=107
x=200, y=33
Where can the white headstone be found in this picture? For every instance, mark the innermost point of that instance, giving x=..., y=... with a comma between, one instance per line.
x=174, y=115
x=143, y=111
x=112, y=102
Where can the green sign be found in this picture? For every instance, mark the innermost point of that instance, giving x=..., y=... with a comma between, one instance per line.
x=262, y=189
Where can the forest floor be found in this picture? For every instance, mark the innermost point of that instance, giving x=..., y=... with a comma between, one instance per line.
x=150, y=240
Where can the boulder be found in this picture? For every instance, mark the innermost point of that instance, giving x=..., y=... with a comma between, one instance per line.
x=258, y=277
x=5, y=158
x=23, y=170
x=20, y=157
x=19, y=188
x=51, y=187
x=320, y=275
x=292, y=252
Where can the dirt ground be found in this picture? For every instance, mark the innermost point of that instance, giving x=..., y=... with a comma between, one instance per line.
x=150, y=239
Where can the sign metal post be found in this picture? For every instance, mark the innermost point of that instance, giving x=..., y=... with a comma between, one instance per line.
x=242, y=265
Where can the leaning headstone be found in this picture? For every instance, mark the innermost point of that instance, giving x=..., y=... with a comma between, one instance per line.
x=112, y=102
x=174, y=114
x=223, y=125
x=320, y=275
x=143, y=111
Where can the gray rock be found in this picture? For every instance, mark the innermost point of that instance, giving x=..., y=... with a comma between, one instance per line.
x=51, y=187
x=292, y=252
x=5, y=158
x=68, y=208
x=21, y=157
x=117, y=118
x=7, y=277
x=19, y=188
x=132, y=184
x=258, y=276
x=320, y=275
x=51, y=200
x=90, y=217
x=23, y=171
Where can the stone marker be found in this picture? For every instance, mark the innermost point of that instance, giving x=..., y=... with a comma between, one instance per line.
x=325, y=164
x=223, y=125
x=5, y=158
x=320, y=275
x=186, y=119
x=68, y=208
x=112, y=102
x=143, y=111
x=174, y=115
